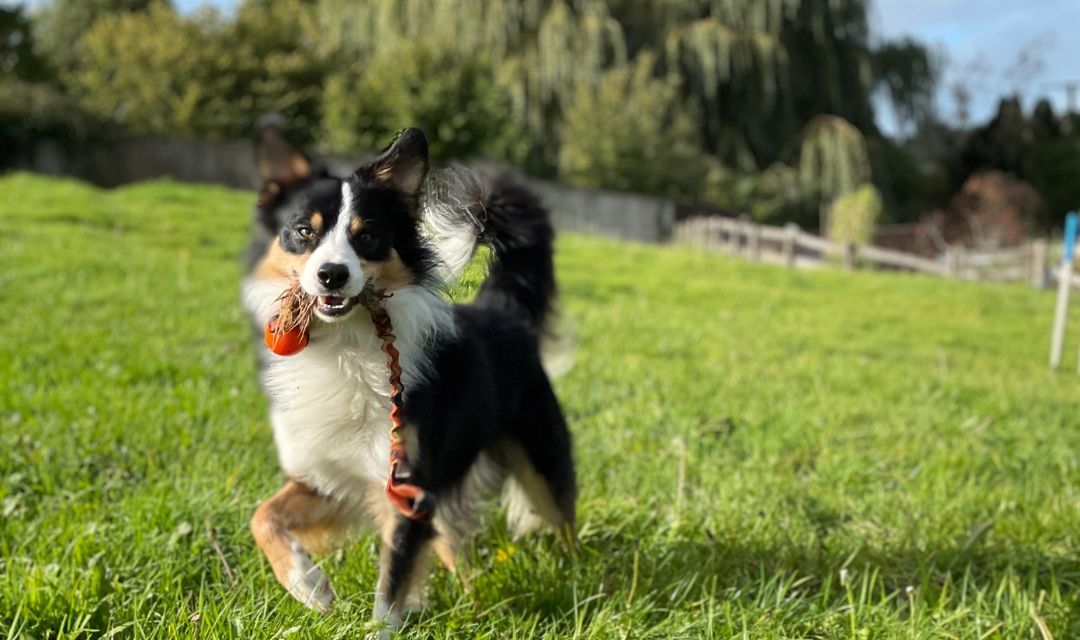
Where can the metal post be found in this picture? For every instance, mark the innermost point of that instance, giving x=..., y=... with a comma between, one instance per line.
x=1061, y=312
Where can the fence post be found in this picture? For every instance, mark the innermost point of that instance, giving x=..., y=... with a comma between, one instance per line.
x=734, y=227
x=849, y=256
x=1038, y=263
x=753, y=241
x=790, y=240
x=952, y=261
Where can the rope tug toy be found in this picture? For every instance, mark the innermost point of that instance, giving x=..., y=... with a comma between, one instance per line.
x=287, y=334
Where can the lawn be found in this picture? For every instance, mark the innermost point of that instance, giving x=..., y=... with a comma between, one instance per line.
x=762, y=453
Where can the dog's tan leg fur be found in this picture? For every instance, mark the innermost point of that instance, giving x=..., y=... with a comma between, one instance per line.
x=528, y=498
x=447, y=553
x=294, y=514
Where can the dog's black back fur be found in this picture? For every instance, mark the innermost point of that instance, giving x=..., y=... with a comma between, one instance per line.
x=489, y=383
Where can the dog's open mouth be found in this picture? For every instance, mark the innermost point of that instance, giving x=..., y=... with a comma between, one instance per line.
x=334, y=306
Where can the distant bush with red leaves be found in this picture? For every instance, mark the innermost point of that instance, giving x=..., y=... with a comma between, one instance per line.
x=992, y=210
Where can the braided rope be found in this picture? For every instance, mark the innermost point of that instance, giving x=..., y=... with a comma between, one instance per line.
x=412, y=501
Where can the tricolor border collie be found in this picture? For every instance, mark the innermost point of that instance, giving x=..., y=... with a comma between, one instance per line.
x=478, y=409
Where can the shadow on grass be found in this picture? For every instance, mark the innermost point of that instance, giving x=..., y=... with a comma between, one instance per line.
x=790, y=582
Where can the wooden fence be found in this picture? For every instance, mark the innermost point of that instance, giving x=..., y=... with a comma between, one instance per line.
x=791, y=246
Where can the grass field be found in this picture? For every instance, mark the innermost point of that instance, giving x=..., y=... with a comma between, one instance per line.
x=762, y=453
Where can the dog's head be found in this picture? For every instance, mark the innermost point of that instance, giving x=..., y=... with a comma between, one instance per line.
x=340, y=236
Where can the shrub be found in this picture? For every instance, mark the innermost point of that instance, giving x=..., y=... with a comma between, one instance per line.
x=200, y=75
x=452, y=97
x=632, y=131
x=854, y=215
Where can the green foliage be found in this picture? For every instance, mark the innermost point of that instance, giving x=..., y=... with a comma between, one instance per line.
x=1054, y=167
x=32, y=109
x=909, y=74
x=200, y=75
x=736, y=81
x=756, y=71
x=631, y=132
x=906, y=188
x=61, y=24
x=19, y=57
x=854, y=215
x=451, y=96
x=762, y=453
x=173, y=88
x=833, y=159
x=776, y=196
x=31, y=105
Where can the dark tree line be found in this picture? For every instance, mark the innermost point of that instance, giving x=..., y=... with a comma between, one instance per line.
x=763, y=106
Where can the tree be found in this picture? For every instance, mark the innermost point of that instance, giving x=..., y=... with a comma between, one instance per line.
x=451, y=96
x=18, y=58
x=631, y=131
x=176, y=85
x=201, y=75
x=833, y=162
x=908, y=74
x=60, y=25
x=31, y=104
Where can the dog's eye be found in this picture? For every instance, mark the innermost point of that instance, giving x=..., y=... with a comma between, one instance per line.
x=305, y=232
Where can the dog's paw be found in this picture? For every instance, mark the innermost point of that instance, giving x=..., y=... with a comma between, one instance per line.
x=308, y=584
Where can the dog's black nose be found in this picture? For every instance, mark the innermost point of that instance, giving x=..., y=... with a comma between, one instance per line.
x=333, y=276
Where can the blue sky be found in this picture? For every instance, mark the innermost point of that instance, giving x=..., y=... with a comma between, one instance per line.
x=982, y=40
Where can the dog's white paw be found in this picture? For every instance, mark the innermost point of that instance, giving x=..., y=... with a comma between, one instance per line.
x=389, y=616
x=309, y=585
x=416, y=603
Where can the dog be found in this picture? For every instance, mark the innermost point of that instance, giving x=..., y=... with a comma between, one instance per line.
x=478, y=412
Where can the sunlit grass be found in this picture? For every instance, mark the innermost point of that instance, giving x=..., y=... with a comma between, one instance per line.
x=762, y=453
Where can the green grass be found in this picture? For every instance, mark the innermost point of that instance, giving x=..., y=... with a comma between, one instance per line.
x=762, y=453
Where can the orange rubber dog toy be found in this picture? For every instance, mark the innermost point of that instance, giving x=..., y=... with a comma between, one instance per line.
x=287, y=332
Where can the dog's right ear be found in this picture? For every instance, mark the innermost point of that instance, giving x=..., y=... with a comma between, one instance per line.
x=280, y=164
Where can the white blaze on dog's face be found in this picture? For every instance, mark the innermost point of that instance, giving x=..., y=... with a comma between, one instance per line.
x=333, y=272
x=342, y=236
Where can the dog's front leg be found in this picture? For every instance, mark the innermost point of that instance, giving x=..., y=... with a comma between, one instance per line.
x=296, y=512
x=403, y=562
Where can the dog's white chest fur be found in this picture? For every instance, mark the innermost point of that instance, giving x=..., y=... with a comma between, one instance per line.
x=330, y=402
x=330, y=410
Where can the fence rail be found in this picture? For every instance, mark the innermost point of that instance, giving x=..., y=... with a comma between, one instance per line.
x=793, y=247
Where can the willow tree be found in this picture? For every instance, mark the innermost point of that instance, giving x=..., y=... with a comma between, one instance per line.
x=539, y=51
x=761, y=69
x=833, y=162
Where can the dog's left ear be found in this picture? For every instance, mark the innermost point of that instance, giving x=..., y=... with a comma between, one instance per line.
x=281, y=165
x=404, y=165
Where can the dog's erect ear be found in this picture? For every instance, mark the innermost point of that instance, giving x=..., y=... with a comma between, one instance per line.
x=280, y=164
x=404, y=165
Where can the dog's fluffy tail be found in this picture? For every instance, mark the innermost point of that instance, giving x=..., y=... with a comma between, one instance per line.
x=452, y=211
x=522, y=277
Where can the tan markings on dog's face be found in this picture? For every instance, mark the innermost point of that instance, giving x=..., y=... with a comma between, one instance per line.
x=355, y=225
x=389, y=274
x=278, y=263
x=317, y=221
